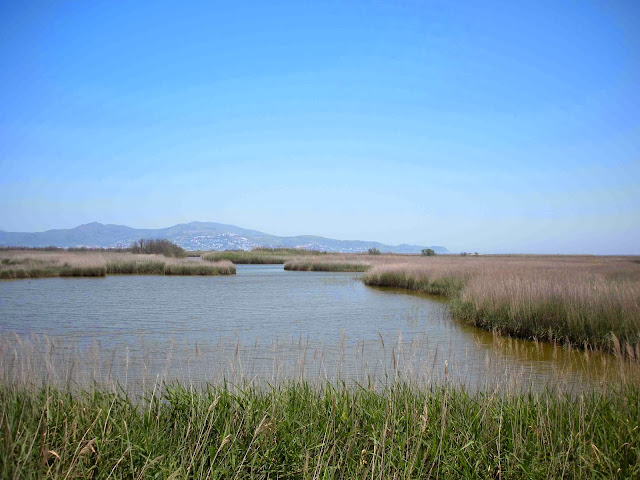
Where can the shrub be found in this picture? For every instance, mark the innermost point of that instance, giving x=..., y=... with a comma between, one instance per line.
x=373, y=251
x=159, y=246
x=428, y=252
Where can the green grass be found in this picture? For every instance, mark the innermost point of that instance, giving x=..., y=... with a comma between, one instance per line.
x=318, y=266
x=446, y=286
x=155, y=267
x=245, y=257
x=602, y=326
x=49, y=271
x=302, y=431
x=292, y=252
x=199, y=269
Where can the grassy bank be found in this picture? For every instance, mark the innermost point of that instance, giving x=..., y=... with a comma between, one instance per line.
x=260, y=255
x=302, y=431
x=38, y=264
x=319, y=266
x=586, y=301
x=345, y=262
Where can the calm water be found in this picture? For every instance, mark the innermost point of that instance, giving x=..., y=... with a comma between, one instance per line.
x=266, y=324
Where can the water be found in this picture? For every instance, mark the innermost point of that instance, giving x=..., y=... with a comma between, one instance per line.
x=263, y=324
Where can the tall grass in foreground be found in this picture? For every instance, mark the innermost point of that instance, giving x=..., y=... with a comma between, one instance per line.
x=591, y=302
x=297, y=430
x=39, y=264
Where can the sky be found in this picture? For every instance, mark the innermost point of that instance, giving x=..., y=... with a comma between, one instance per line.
x=494, y=126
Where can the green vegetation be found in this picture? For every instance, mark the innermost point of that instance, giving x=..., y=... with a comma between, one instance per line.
x=293, y=252
x=241, y=257
x=159, y=267
x=428, y=252
x=217, y=268
x=302, y=431
x=588, y=302
x=319, y=266
x=326, y=430
x=398, y=278
x=374, y=251
x=158, y=246
x=260, y=255
x=47, y=271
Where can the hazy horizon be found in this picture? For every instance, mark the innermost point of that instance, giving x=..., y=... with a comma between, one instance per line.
x=493, y=127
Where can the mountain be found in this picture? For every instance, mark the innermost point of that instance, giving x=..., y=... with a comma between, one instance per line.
x=192, y=236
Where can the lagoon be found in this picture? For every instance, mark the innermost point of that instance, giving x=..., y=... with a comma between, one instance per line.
x=263, y=324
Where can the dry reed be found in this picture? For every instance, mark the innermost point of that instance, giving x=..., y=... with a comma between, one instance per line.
x=585, y=301
x=39, y=264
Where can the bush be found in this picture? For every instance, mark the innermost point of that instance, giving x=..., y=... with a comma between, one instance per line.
x=428, y=252
x=373, y=251
x=160, y=246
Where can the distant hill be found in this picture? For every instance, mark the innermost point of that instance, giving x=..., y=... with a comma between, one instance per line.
x=193, y=236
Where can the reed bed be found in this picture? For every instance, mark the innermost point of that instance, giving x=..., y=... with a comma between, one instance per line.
x=242, y=258
x=261, y=255
x=350, y=262
x=297, y=430
x=332, y=266
x=134, y=264
x=40, y=264
x=504, y=363
x=591, y=302
x=354, y=262
x=75, y=426
x=19, y=264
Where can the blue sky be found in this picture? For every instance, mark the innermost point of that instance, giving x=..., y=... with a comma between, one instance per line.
x=482, y=126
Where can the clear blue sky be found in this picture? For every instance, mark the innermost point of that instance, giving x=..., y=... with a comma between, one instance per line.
x=489, y=126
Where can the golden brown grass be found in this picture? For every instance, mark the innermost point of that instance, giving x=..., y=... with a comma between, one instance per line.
x=587, y=301
x=38, y=264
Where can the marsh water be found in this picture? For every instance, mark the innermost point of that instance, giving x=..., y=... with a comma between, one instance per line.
x=263, y=324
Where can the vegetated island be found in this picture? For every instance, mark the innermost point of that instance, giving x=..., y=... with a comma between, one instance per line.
x=146, y=257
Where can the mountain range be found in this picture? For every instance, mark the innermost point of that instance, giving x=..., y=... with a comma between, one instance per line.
x=193, y=236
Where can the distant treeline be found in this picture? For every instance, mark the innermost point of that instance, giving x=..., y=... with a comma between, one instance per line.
x=288, y=251
x=51, y=248
x=158, y=246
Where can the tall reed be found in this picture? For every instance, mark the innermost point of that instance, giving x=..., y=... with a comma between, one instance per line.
x=297, y=430
x=39, y=264
x=586, y=301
